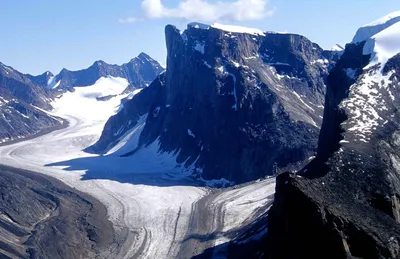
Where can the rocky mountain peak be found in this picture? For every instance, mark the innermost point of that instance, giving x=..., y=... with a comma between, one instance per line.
x=229, y=82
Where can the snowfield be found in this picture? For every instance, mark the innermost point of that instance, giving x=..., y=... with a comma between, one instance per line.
x=150, y=201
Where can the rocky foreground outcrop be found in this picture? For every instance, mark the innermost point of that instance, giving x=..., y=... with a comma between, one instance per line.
x=345, y=203
x=232, y=104
x=42, y=218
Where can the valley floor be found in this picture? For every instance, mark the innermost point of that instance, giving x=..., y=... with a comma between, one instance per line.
x=155, y=215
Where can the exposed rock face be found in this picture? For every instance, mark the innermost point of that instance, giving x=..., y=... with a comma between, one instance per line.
x=21, y=104
x=345, y=203
x=233, y=105
x=139, y=72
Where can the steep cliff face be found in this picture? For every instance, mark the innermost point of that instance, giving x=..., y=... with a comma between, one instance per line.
x=139, y=72
x=345, y=203
x=237, y=104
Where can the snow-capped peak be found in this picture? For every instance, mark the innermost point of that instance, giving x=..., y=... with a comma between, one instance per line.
x=369, y=30
x=383, y=45
x=385, y=19
x=337, y=47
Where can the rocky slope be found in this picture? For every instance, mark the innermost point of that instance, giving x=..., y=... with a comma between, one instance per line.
x=139, y=72
x=22, y=105
x=42, y=218
x=234, y=103
x=345, y=203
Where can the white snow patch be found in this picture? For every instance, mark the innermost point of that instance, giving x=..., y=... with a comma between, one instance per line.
x=320, y=61
x=200, y=47
x=337, y=47
x=301, y=100
x=365, y=102
x=133, y=93
x=206, y=64
x=190, y=133
x=238, y=29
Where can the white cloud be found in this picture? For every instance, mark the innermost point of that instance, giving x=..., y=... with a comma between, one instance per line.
x=207, y=11
x=130, y=20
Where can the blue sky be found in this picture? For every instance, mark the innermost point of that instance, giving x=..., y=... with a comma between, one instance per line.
x=45, y=35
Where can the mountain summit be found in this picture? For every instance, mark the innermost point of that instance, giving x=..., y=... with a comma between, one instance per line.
x=139, y=72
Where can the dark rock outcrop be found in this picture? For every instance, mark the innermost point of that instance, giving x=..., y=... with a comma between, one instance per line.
x=235, y=105
x=345, y=203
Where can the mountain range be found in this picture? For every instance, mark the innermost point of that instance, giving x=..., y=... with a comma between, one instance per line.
x=233, y=106
x=26, y=100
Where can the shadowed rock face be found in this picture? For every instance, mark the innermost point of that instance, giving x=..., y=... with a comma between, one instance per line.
x=21, y=104
x=139, y=72
x=345, y=203
x=233, y=105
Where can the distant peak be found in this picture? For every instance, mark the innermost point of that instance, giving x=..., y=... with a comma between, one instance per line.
x=143, y=57
x=48, y=73
x=99, y=62
x=337, y=47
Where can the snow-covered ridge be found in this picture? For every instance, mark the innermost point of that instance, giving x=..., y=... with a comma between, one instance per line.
x=238, y=29
x=227, y=28
x=369, y=30
x=383, y=45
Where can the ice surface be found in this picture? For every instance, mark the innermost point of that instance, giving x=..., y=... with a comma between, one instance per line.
x=145, y=192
